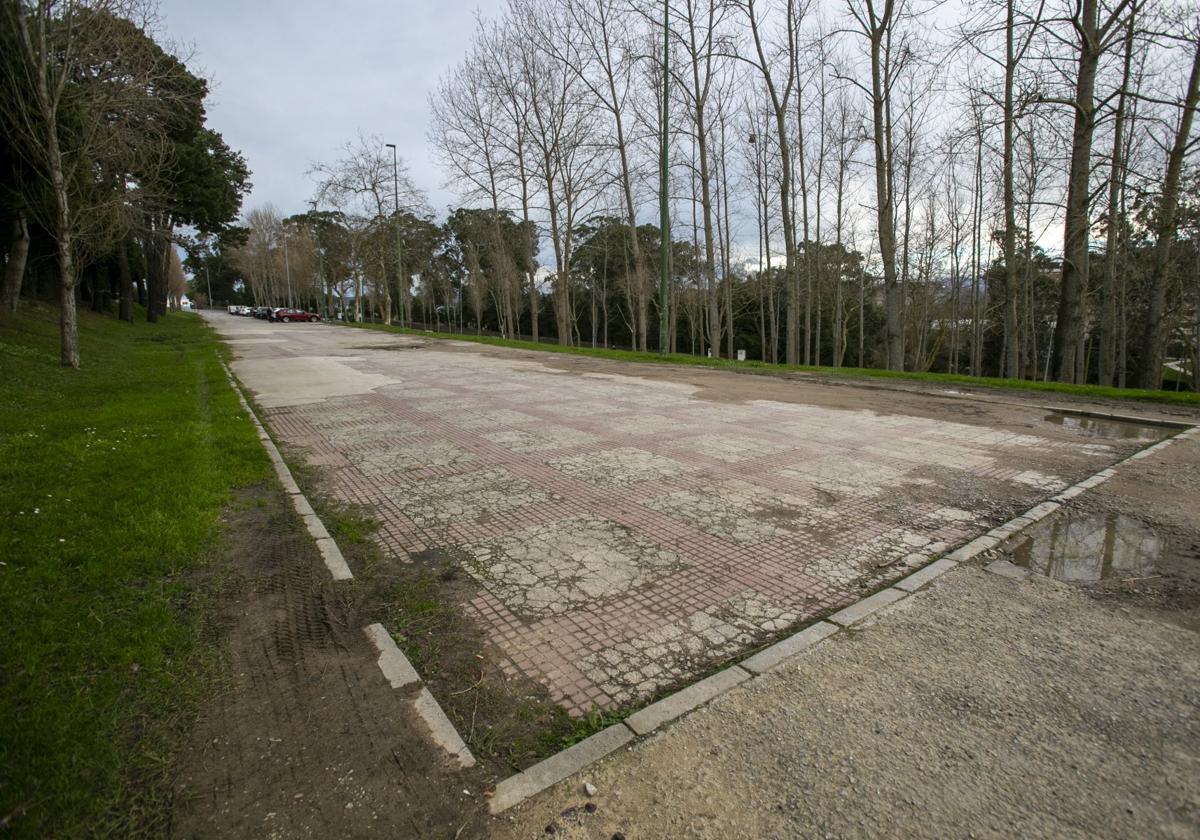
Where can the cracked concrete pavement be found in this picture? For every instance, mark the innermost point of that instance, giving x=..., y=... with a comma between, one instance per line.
x=629, y=528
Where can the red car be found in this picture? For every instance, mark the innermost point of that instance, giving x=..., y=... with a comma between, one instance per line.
x=286, y=315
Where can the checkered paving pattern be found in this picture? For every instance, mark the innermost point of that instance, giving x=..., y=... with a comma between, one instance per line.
x=626, y=535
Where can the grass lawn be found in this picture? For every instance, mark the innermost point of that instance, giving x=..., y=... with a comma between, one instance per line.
x=1091, y=391
x=112, y=480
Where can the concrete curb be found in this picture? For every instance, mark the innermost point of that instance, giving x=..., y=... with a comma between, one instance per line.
x=646, y=720
x=868, y=606
x=778, y=653
x=528, y=783
x=441, y=729
x=400, y=673
x=396, y=668
x=330, y=553
x=557, y=767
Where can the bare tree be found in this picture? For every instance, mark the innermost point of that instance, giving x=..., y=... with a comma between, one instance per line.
x=876, y=21
x=1151, y=361
x=363, y=183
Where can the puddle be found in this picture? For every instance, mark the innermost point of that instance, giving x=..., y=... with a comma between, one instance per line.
x=1098, y=427
x=1090, y=548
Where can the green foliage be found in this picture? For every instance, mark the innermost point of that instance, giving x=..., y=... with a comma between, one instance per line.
x=112, y=480
x=493, y=241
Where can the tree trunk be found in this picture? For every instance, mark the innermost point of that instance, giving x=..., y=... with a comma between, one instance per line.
x=884, y=202
x=14, y=268
x=125, y=311
x=1077, y=221
x=1116, y=180
x=1151, y=362
x=1012, y=359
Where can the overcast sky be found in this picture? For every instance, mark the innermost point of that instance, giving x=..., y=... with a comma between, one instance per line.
x=293, y=81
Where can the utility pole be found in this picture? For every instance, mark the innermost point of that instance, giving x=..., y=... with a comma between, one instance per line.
x=664, y=212
x=208, y=280
x=401, y=286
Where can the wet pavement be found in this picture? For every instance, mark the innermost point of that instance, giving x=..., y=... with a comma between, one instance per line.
x=627, y=533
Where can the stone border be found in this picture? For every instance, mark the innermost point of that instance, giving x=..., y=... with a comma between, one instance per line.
x=528, y=783
x=400, y=673
x=330, y=553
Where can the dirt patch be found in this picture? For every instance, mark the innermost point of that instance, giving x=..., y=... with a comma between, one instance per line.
x=306, y=738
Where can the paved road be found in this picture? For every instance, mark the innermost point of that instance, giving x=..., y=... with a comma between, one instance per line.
x=627, y=532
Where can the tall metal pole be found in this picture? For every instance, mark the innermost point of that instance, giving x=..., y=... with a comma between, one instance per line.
x=401, y=285
x=664, y=212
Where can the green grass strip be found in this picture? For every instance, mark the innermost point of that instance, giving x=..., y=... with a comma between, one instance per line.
x=1089, y=391
x=112, y=481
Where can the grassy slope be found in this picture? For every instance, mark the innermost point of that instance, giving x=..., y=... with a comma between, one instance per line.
x=112, y=480
x=1091, y=391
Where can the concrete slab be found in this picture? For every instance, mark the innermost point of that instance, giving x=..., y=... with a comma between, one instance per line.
x=300, y=503
x=557, y=767
x=298, y=380
x=784, y=650
x=316, y=528
x=973, y=549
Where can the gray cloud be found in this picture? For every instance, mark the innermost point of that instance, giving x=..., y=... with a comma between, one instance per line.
x=293, y=81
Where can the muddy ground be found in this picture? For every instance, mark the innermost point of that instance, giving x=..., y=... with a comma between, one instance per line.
x=985, y=707
x=307, y=739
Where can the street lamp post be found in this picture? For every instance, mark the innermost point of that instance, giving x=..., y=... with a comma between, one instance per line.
x=401, y=286
x=287, y=268
x=664, y=249
x=325, y=296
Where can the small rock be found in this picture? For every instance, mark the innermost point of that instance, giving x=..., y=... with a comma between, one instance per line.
x=552, y=829
x=590, y=789
x=590, y=807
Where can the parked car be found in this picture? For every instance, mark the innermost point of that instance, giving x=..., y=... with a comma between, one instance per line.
x=262, y=312
x=288, y=315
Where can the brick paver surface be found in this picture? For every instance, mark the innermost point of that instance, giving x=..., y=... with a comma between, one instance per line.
x=627, y=535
